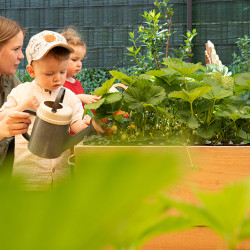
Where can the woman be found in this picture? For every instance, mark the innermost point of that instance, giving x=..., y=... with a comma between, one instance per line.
x=11, y=122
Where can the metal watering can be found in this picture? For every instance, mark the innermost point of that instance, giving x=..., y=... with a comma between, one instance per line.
x=50, y=135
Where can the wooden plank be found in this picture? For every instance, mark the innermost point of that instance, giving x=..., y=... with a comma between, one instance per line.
x=199, y=238
x=213, y=168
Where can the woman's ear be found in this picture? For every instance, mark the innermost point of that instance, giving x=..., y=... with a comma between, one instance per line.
x=31, y=71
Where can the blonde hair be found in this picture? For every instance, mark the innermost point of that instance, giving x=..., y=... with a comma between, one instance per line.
x=8, y=30
x=73, y=37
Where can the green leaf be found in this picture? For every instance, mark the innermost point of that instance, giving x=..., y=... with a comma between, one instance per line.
x=105, y=87
x=242, y=83
x=234, y=112
x=94, y=105
x=222, y=69
x=143, y=92
x=184, y=68
x=193, y=123
x=161, y=111
x=245, y=230
x=158, y=73
x=106, y=198
x=127, y=80
x=225, y=81
x=211, y=81
x=149, y=107
x=220, y=210
x=243, y=134
x=190, y=96
x=218, y=93
x=231, y=222
x=166, y=75
x=208, y=132
x=168, y=224
x=131, y=49
x=113, y=97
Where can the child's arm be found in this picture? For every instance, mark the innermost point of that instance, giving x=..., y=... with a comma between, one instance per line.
x=88, y=98
x=79, y=125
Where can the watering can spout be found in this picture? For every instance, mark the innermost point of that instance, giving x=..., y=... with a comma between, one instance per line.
x=94, y=127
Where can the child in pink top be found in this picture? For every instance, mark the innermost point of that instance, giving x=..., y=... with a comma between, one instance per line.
x=75, y=65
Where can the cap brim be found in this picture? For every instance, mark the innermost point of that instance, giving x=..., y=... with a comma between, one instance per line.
x=66, y=46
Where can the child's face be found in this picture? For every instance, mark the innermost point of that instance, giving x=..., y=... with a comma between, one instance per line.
x=49, y=72
x=75, y=60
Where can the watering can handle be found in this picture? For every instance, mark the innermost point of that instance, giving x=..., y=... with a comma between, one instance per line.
x=31, y=112
x=59, y=99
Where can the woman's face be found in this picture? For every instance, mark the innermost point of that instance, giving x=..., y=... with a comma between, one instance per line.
x=11, y=54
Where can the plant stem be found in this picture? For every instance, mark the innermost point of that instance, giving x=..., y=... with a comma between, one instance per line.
x=191, y=106
x=210, y=113
x=189, y=156
x=185, y=83
x=157, y=61
x=169, y=29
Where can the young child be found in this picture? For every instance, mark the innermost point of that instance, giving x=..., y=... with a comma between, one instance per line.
x=48, y=56
x=75, y=65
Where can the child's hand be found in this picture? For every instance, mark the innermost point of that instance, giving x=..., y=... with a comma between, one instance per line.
x=87, y=118
x=29, y=103
x=79, y=125
x=88, y=98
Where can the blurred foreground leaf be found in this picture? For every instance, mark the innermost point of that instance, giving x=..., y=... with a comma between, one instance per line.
x=226, y=212
x=111, y=201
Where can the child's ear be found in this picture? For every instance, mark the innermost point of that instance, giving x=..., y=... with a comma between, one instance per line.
x=31, y=71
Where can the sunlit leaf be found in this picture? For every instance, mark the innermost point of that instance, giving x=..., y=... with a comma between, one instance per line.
x=226, y=81
x=242, y=83
x=127, y=80
x=217, y=93
x=184, y=68
x=192, y=95
x=105, y=87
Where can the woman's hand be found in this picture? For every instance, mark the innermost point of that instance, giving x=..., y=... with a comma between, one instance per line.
x=13, y=123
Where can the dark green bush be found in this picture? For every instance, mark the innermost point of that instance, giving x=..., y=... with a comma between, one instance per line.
x=90, y=78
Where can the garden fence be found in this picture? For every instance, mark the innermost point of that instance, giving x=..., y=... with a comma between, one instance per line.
x=105, y=24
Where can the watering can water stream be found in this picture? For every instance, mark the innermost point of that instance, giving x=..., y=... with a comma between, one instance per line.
x=50, y=135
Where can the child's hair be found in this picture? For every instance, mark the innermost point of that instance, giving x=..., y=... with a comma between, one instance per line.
x=59, y=53
x=73, y=37
x=8, y=30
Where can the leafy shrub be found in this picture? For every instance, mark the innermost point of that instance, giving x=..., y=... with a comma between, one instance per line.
x=153, y=35
x=89, y=78
x=241, y=63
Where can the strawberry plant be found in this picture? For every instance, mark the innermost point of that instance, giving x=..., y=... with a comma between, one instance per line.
x=182, y=103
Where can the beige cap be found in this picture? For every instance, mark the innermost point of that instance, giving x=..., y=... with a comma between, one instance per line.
x=41, y=43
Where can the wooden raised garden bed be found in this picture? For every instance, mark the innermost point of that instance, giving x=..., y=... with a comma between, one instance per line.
x=211, y=168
